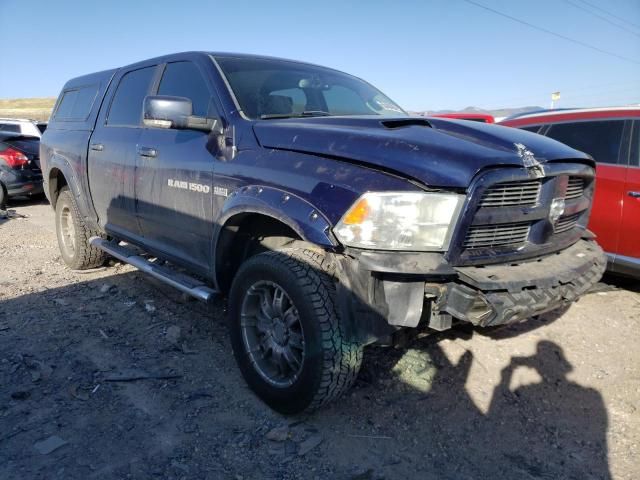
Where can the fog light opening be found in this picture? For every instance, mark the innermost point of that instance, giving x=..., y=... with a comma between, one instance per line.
x=480, y=310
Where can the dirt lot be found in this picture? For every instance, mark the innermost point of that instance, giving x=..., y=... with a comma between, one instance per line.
x=554, y=398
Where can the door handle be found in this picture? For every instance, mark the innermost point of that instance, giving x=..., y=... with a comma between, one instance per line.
x=147, y=152
x=98, y=147
x=634, y=194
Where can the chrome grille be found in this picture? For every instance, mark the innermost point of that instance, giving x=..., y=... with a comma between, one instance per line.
x=575, y=188
x=483, y=236
x=564, y=224
x=511, y=194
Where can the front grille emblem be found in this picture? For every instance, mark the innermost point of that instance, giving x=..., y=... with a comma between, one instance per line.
x=534, y=167
x=556, y=210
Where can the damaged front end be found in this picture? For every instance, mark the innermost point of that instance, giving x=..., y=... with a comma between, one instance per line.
x=379, y=303
x=499, y=294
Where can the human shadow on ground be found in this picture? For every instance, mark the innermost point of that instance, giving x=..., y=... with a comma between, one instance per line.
x=551, y=428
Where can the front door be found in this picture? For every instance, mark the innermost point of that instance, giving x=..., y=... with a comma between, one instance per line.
x=174, y=176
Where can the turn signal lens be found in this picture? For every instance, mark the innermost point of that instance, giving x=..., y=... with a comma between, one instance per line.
x=358, y=213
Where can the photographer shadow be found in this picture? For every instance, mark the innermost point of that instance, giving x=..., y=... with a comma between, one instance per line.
x=555, y=422
x=550, y=427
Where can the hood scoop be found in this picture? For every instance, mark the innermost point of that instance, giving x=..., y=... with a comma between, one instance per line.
x=406, y=122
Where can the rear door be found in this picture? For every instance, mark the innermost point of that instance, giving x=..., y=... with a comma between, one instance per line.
x=174, y=175
x=629, y=245
x=112, y=152
x=602, y=139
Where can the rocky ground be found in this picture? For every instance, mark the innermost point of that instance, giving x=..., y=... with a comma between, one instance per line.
x=109, y=374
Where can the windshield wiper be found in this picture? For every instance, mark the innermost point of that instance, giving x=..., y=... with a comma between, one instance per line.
x=306, y=113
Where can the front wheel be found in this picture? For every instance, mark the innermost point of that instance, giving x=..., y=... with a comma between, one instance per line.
x=73, y=235
x=287, y=338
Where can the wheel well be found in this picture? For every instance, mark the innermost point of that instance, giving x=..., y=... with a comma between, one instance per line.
x=57, y=180
x=245, y=235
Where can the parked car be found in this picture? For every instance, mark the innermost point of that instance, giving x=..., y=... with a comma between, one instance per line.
x=474, y=117
x=612, y=137
x=23, y=126
x=330, y=218
x=20, y=172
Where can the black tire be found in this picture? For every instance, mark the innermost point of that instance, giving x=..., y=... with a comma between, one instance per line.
x=4, y=197
x=330, y=362
x=73, y=235
x=38, y=196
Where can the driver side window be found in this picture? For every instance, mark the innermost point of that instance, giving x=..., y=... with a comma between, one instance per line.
x=183, y=79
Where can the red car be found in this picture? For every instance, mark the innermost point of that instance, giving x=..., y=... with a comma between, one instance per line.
x=612, y=137
x=474, y=117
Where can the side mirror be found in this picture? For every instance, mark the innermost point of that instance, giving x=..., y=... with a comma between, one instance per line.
x=163, y=111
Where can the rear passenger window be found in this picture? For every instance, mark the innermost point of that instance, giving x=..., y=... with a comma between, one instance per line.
x=531, y=129
x=76, y=103
x=183, y=79
x=599, y=139
x=126, y=108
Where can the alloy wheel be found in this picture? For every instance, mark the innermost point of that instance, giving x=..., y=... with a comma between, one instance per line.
x=272, y=333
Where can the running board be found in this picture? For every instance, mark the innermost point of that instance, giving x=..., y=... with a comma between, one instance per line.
x=182, y=282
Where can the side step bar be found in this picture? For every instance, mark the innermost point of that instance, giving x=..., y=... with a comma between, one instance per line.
x=182, y=282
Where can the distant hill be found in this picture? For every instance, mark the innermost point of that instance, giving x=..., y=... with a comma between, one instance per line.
x=501, y=112
x=33, y=108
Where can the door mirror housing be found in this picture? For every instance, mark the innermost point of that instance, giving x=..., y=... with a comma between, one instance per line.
x=164, y=111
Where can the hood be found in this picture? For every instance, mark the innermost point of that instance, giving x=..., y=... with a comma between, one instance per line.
x=436, y=152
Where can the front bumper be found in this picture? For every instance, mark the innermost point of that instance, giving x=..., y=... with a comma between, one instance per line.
x=425, y=290
x=499, y=294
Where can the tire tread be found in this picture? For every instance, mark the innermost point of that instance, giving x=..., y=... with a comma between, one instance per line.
x=87, y=256
x=314, y=272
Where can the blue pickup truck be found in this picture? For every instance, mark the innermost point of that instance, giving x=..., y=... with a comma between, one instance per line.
x=328, y=217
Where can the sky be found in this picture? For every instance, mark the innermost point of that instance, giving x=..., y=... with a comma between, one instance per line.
x=424, y=54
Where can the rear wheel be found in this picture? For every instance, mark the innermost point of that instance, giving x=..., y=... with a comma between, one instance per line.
x=3, y=196
x=37, y=196
x=287, y=338
x=73, y=235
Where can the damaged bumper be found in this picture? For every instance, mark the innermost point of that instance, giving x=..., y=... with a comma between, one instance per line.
x=407, y=296
x=499, y=294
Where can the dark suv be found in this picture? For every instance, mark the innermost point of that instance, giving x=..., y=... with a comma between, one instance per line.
x=330, y=218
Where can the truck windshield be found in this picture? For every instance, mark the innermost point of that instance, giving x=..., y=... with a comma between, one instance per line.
x=266, y=88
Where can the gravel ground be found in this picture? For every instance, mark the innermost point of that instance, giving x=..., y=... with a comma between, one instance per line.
x=109, y=374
